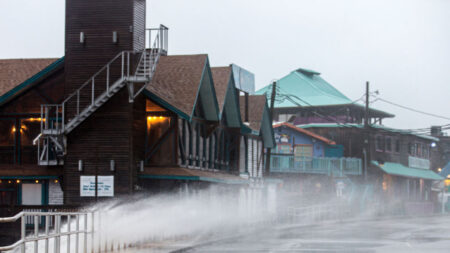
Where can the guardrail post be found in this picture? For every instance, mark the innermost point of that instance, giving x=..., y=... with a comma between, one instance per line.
x=68, y=233
x=36, y=233
x=77, y=227
x=92, y=232
x=47, y=225
x=85, y=233
x=57, y=234
x=22, y=233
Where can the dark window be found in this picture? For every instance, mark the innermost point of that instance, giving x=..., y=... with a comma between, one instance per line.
x=379, y=144
x=388, y=144
x=412, y=149
x=7, y=141
x=397, y=145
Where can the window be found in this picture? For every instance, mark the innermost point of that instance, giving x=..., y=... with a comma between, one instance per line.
x=283, y=148
x=410, y=149
x=397, y=146
x=418, y=149
x=388, y=144
x=303, y=152
x=379, y=145
x=426, y=152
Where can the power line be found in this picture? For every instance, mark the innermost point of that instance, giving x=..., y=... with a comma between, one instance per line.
x=414, y=110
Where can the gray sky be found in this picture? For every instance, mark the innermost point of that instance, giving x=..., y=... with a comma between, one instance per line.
x=401, y=46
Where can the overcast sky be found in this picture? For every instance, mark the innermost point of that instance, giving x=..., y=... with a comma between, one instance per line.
x=401, y=46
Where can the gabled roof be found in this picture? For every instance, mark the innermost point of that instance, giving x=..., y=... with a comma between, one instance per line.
x=259, y=120
x=227, y=96
x=221, y=76
x=178, y=82
x=18, y=74
x=256, y=107
x=306, y=132
x=305, y=88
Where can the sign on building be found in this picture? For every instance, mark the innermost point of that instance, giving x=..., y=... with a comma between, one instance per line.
x=105, y=186
x=87, y=186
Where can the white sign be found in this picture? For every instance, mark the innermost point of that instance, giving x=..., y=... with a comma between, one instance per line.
x=105, y=186
x=87, y=186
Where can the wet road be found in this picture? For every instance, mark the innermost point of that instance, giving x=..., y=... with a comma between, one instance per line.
x=430, y=234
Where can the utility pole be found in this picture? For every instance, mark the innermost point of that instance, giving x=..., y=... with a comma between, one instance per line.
x=366, y=113
x=272, y=104
x=366, y=147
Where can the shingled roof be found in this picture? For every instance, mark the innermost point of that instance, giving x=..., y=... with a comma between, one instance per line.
x=221, y=76
x=177, y=80
x=14, y=72
x=256, y=106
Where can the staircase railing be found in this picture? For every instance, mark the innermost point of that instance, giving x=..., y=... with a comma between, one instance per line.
x=60, y=119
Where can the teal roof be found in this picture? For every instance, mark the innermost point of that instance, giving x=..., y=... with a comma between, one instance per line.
x=305, y=88
x=400, y=131
x=398, y=169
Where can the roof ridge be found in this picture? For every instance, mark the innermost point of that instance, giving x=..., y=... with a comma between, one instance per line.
x=320, y=90
x=40, y=58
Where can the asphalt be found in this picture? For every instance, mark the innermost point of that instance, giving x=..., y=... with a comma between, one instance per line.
x=424, y=234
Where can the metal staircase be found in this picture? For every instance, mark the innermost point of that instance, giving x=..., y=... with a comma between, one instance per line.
x=58, y=120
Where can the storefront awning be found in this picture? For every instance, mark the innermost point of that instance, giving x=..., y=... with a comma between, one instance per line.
x=179, y=173
x=398, y=169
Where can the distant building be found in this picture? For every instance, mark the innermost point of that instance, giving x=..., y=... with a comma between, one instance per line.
x=396, y=163
x=304, y=160
x=319, y=101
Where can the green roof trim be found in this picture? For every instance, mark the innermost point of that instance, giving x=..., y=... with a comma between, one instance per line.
x=166, y=105
x=28, y=177
x=398, y=169
x=347, y=125
x=231, y=106
x=30, y=80
x=206, y=73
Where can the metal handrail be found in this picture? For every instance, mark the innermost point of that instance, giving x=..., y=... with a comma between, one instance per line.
x=57, y=233
x=86, y=99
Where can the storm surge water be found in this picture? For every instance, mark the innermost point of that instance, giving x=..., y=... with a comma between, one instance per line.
x=188, y=216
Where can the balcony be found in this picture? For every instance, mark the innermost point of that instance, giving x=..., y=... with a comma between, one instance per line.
x=331, y=166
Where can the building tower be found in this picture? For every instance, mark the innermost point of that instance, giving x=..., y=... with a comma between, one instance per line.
x=106, y=142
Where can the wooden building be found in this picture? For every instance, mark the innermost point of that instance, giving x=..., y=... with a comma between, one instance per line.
x=117, y=115
x=396, y=163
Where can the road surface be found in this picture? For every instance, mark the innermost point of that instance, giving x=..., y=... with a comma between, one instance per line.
x=430, y=234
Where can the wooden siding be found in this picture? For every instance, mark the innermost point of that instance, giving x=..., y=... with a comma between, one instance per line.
x=114, y=131
x=27, y=105
x=104, y=136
